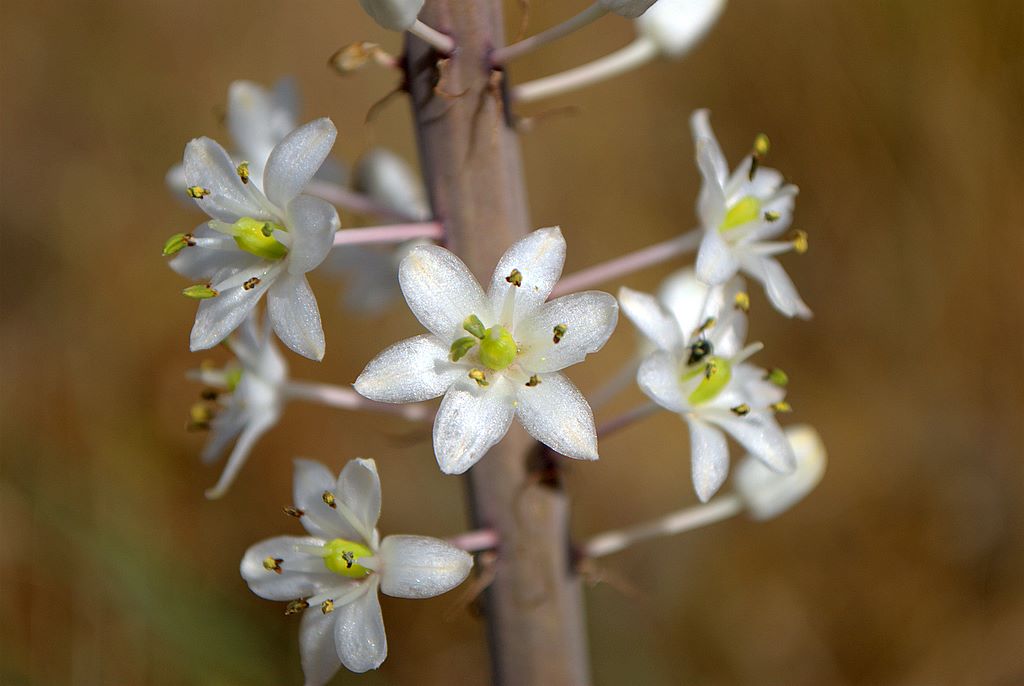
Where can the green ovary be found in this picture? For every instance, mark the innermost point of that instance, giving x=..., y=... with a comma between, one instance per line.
x=745, y=210
x=716, y=373
x=498, y=349
x=341, y=557
x=257, y=237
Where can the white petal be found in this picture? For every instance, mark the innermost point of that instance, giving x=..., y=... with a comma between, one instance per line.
x=557, y=415
x=310, y=481
x=716, y=260
x=359, y=631
x=441, y=291
x=715, y=167
x=470, y=420
x=358, y=487
x=658, y=377
x=685, y=297
x=768, y=493
x=647, y=314
x=389, y=180
x=201, y=263
x=292, y=309
x=409, y=371
x=539, y=257
x=779, y=287
x=763, y=438
x=219, y=316
x=319, y=655
x=296, y=159
x=676, y=26
x=421, y=567
x=258, y=425
x=626, y=8
x=589, y=318
x=302, y=575
x=258, y=119
x=396, y=15
x=208, y=165
x=709, y=457
x=224, y=429
x=312, y=223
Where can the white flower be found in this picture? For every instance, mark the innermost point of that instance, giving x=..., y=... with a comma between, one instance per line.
x=257, y=119
x=675, y=26
x=767, y=493
x=258, y=242
x=497, y=355
x=740, y=214
x=390, y=181
x=334, y=573
x=698, y=370
x=248, y=399
x=626, y=8
x=396, y=15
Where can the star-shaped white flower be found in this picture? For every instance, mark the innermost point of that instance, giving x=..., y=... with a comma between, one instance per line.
x=332, y=576
x=259, y=241
x=248, y=402
x=742, y=214
x=496, y=355
x=699, y=371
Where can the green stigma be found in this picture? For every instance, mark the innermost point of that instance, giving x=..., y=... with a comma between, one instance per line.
x=341, y=557
x=498, y=349
x=257, y=237
x=232, y=377
x=747, y=209
x=716, y=373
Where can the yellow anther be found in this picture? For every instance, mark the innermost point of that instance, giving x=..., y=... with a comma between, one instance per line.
x=558, y=333
x=800, y=242
x=329, y=500
x=479, y=377
x=273, y=564
x=197, y=192
x=704, y=326
x=771, y=216
x=243, y=172
x=498, y=349
x=199, y=291
x=534, y=381
x=742, y=301
x=178, y=241
x=743, y=211
x=762, y=144
x=296, y=606
x=782, y=406
x=474, y=326
x=199, y=417
x=342, y=557
x=257, y=237
x=742, y=409
x=716, y=372
x=327, y=607
x=251, y=283
x=777, y=377
x=460, y=347
x=293, y=511
x=515, y=278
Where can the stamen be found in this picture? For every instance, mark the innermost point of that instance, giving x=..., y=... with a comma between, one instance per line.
x=534, y=381
x=293, y=511
x=479, y=377
x=328, y=498
x=243, y=172
x=474, y=326
x=251, y=283
x=742, y=409
x=761, y=147
x=558, y=332
x=698, y=351
x=515, y=278
x=200, y=416
x=771, y=216
x=705, y=325
x=178, y=241
x=296, y=606
x=460, y=347
x=781, y=406
x=742, y=301
x=800, y=242
x=349, y=557
x=777, y=377
x=199, y=291
x=197, y=192
x=327, y=607
x=273, y=564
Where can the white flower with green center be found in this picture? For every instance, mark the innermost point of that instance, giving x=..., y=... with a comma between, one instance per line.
x=242, y=401
x=258, y=241
x=497, y=355
x=743, y=214
x=332, y=576
x=699, y=371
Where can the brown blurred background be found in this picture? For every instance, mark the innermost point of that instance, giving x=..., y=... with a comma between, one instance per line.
x=903, y=124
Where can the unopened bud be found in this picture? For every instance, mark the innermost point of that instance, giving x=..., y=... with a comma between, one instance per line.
x=768, y=493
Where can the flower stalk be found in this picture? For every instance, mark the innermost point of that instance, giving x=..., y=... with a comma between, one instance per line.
x=527, y=45
x=353, y=201
x=392, y=233
x=347, y=399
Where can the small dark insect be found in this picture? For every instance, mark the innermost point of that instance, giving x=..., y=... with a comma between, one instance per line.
x=699, y=350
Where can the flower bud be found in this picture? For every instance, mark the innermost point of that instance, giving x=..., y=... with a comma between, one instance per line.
x=397, y=15
x=675, y=26
x=768, y=494
x=627, y=8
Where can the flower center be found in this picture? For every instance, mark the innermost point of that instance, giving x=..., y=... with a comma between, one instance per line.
x=341, y=557
x=746, y=209
x=257, y=237
x=498, y=349
x=716, y=372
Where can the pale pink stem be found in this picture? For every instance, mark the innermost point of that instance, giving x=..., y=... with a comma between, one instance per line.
x=629, y=263
x=441, y=42
x=475, y=541
x=666, y=525
x=348, y=199
x=639, y=52
x=348, y=399
x=392, y=233
x=510, y=52
x=626, y=418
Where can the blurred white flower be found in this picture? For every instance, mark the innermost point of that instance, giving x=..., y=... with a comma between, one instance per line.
x=391, y=182
x=674, y=26
x=699, y=371
x=767, y=493
x=259, y=241
x=243, y=400
x=396, y=15
x=741, y=214
x=332, y=576
x=495, y=356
